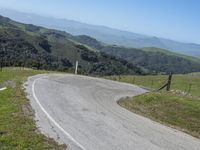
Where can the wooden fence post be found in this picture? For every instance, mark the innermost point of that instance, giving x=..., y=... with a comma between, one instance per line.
x=169, y=81
x=168, y=84
x=189, y=89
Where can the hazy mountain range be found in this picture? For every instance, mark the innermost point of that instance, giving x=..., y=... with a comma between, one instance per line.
x=104, y=34
x=27, y=45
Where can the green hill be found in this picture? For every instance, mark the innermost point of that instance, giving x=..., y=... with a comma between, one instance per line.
x=170, y=53
x=37, y=47
x=42, y=48
x=150, y=59
x=155, y=60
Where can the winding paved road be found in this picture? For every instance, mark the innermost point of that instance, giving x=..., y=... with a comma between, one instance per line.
x=82, y=112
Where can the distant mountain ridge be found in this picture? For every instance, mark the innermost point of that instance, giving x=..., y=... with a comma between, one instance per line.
x=105, y=34
x=28, y=45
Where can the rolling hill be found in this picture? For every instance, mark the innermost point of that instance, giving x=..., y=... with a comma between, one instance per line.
x=154, y=61
x=150, y=59
x=167, y=52
x=38, y=47
x=105, y=34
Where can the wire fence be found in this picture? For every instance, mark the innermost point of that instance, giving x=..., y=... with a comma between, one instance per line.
x=188, y=84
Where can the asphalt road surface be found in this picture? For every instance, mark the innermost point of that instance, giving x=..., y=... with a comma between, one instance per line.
x=83, y=113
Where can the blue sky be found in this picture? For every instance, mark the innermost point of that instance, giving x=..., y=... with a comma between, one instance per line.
x=173, y=19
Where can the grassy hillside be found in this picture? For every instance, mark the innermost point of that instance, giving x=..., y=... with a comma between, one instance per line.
x=151, y=59
x=167, y=52
x=154, y=62
x=178, y=108
x=172, y=110
x=38, y=47
x=17, y=126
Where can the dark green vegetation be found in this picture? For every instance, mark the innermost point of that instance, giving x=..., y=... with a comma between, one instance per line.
x=41, y=48
x=37, y=47
x=167, y=52
x=177, y=111
x=155, y=61
x=151, y=60
x=17, y=128
x=179, y=108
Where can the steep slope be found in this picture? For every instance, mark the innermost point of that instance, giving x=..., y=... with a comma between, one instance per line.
x=155, y=61
x=105, y=34
x=33, y=46
x=151, y=59
x=167, y=52
x=184, y=48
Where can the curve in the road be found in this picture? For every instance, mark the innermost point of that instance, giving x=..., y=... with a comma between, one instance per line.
x=82, y=112
x=51, y=118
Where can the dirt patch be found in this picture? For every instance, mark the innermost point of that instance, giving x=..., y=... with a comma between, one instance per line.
x=27, y=110
x=9, y=83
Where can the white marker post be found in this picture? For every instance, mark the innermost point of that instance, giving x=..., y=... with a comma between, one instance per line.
x=76, y=69
x=1, y=89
